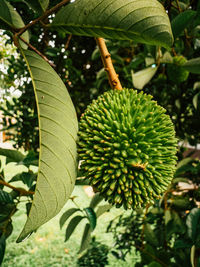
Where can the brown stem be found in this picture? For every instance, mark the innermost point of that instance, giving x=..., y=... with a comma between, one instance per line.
x=68, y=41
x=21, y=191
x=108, y=65
x=46, y=14
x=38, y=52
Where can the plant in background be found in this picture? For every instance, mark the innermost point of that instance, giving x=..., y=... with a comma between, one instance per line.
x=9, y=200
x=96, y=255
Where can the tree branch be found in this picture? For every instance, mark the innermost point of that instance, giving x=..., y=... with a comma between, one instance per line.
x=108, y=65
x=38, y=52
x=46, y=14
x=21, y=191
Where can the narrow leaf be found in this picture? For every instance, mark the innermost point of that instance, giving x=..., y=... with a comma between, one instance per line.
x=142, y=77
x=150, y=236
x=11, y=155
x=184, y=162
x=141, y=21
x=58, y=128
x=72, y=225
x=91, y=217
x=85, y=238
x=192, y=222
x=44, y=4
x=10, y=18
x=95, y=200
x=5, y=197
x=102, y=209
x=66, y=215
x=196, y=101
x=193, y=65
x=181, y=21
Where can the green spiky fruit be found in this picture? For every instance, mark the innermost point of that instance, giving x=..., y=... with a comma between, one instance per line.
x=175, y=71
x=127, y=147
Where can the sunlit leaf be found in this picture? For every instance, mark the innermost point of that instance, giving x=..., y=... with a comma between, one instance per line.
x=58, y=128
x=95, y=200
x=102, y=209
x=141, y=21
x=196, y=101
x=193, y=65
x=142, y=77
x=192, y=255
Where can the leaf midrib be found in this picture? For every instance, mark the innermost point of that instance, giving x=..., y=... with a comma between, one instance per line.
x=83, y=26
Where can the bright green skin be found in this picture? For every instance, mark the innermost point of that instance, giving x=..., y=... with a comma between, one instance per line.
x=127, y=146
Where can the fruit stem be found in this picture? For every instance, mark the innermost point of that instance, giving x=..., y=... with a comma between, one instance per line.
x=108, y=65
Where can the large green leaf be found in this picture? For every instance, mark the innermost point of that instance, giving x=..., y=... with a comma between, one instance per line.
x=142, y=21
x=10, y=18
x=58, y=128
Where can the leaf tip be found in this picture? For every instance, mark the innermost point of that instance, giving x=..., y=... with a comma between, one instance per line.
x=23, y=236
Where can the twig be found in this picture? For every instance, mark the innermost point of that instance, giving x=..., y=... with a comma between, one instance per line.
x=174, y=52
x=178, y=5
x=108, y=65
x=38, y=52
x=21, y=191
x=68, y=41
x=46, y=14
